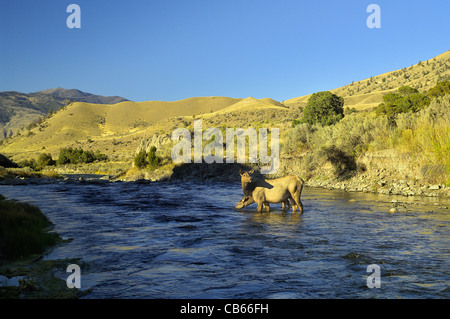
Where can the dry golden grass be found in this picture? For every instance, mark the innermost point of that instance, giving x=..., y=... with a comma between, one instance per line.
x=369, y=93
x=117, y=130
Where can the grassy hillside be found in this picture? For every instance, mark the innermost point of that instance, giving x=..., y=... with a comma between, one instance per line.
x=18, y=110
x=401, y=154
x=121, y=129
x=369, y=93
x=116, y=129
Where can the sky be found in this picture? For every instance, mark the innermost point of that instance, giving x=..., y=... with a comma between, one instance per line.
x=169, y=50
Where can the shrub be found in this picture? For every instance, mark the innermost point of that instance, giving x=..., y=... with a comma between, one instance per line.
x=323, y=108
x=76, y=156
x=348, y=110
x=150, y=160
x=140, y=160
x=442, y=88
x=153, y=160
x=407, y=99
x=296, y=122
x=44, y=160
x=407, y=90
x=31, y=163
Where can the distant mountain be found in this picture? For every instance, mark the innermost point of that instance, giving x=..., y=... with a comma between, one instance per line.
x=19, y=109
x=80, y=96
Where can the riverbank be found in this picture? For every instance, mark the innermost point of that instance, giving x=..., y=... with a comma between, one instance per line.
x=372, y=176
x=377, y=182
x=25, y=238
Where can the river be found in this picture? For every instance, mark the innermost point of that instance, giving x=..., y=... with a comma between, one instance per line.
x=185, y=240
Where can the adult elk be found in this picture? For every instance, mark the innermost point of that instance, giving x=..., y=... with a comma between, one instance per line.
x=267, y=191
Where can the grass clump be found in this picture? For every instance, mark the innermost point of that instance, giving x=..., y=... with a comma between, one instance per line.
x=23, y=230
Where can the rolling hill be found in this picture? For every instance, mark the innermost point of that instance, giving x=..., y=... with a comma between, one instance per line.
x=118, y=129
x=109, y=127
x=20, y=109
x=369, y=93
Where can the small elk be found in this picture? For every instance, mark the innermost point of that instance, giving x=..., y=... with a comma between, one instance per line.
x=267, y=191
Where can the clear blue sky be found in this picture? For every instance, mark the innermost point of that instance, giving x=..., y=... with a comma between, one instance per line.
x=174, y=49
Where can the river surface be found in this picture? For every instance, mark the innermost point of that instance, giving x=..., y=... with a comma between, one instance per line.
x=185, y=240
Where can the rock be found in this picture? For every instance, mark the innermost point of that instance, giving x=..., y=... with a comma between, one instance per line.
x=434, y=187
x=393, y=210
x=382, y=183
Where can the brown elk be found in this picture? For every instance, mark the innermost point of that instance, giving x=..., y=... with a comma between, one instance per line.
x=267, y=191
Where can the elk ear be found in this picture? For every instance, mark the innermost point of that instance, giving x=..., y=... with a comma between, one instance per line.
x=251, y=172
x=240, y=172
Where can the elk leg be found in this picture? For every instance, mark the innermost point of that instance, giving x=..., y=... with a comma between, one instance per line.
x=259, y=208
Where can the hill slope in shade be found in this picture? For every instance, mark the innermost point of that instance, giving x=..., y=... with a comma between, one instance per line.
x=80, y=96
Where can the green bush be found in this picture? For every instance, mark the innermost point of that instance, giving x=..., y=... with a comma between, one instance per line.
x=31, y=163
x=407, y=90
x=324, y=108
x=150, y=160
x=75, y=156
x=153, y=160
x=140, y=160
x=44, y=160
x=442, y=88
x=407, y=99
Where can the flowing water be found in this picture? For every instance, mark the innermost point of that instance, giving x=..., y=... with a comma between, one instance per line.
x=185, y=240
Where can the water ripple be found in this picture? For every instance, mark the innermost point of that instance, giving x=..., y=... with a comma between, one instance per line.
x=184, y=240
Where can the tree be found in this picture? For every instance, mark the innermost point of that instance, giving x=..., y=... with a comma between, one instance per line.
x=324, y=108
